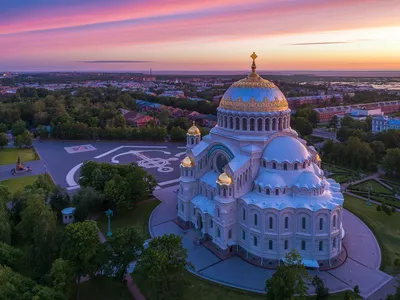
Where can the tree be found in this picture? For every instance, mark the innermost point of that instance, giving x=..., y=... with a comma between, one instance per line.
x=320, y=289
x=303, y=126
x=123, y=247
x=87, y=200
x=333, y=122
x=178, y=134
x=379, y=149
x=356, y=289
x=62, y=275
x=18, y=128
x=289, y=279
x=59, y=199
x=5, y=226
x=347, y=295
x=3, y=128
x=163, y=117
x=27, y=138
x=15, y=286
x=11, y=256
x=81, y=245
x=163, y=266
x=3, y=140
x=38, y=227
x=391, y=161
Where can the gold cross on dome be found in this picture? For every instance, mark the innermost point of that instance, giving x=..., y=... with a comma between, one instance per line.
x=254, y=56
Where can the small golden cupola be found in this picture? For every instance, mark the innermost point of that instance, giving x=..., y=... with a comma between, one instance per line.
x=224, y=179
x=193, y=130
x=187, y=162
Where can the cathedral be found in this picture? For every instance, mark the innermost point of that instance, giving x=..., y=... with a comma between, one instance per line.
x=253, y=186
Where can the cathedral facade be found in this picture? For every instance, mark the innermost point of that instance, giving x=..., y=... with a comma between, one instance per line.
x=253, y=185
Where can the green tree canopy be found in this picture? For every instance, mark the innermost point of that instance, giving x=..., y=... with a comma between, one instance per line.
x=163, y=265
x=288, y=280
x=123, y=247
x=81, y=245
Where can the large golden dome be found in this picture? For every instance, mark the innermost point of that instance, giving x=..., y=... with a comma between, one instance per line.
x=254, y=94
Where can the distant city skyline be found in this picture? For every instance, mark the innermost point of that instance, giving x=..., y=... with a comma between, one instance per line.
x=207, y=35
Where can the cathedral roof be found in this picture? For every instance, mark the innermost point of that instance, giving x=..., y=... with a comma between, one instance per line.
x=254, y=94
x=193, y=130
x=286, y=148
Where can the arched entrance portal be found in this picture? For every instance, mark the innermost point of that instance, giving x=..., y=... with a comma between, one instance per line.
x=199, y=221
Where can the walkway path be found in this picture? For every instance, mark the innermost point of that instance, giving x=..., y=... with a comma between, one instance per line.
x=37, y=167
x=361, y=267
x=372, y=176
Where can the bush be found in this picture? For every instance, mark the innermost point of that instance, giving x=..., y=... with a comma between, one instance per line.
x=320, y=289
x=357, y=290
x=379, y=208
x=393, y=209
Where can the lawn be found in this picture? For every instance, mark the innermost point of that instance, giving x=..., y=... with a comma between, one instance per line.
x=103, y=288
x=201, y=289
x=19, y=183
x=9, y=156
x=138, y=217
x=386, y=229
x=375, y=186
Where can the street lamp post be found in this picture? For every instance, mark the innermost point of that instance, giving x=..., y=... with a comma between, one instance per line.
x=369, y=188
x=109, y=214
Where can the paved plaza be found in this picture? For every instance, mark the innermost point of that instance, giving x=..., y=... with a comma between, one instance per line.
x=361, y=267
x=63, y=159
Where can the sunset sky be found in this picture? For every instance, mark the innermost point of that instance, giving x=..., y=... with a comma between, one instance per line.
x=61, y=35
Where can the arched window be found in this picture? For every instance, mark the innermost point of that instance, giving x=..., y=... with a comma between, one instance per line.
x=259, y=125
x=286, y=244
x=264, y=164
x=280, y=123
x=237, y=123
x=230, y=234
x=255, y=241
x=218, y=233
x=304, y=165
x=273, y=165
x=334, y=221
x=277, y=192
x=244, y=214
x=321, y=245
x=211, y=223
x=268, y=191
x=182, y=207
x=231, y=122
x=321, y=223
x=274, y=124
x=271, y=223
x=270, y=245
x=259, y=189
x=303, y=245
x=244, y=235
x=303, y=223
x=285, y=166
x=225, y=121
x=266, y=124
x=252, y=124
x=244, y=124
x=194, y=211
x=255, y=220
x=295, y=166
x=218, y=212
x=224, y=192
x=286, y=222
